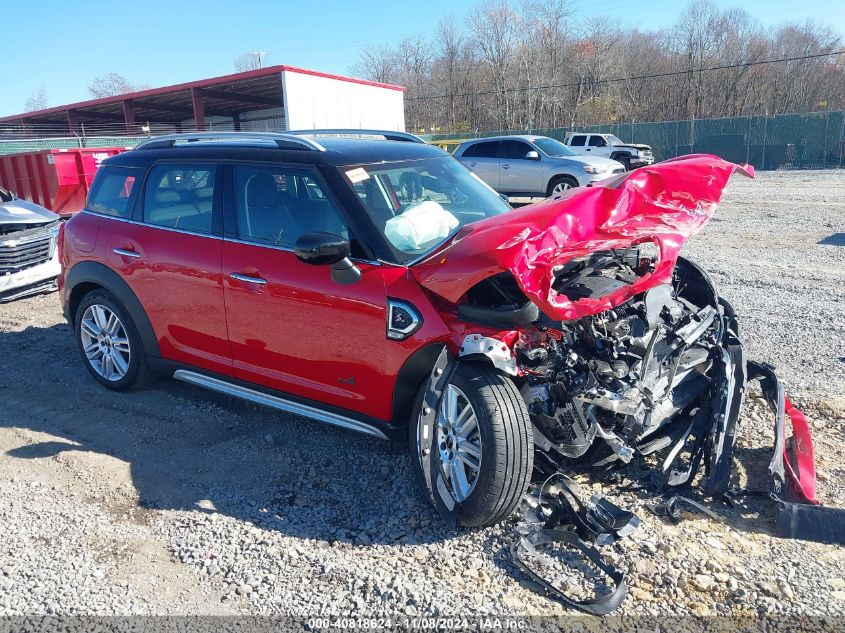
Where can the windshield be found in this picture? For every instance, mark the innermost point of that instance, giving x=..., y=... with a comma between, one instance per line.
x=553, y=148
x=418, y=204
x=614, y=140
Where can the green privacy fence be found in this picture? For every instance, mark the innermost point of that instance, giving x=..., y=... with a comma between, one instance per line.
x=814, y=140
x=16, y=146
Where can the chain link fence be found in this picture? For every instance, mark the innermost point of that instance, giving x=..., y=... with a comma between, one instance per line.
x=813, y=140
x=16, y=146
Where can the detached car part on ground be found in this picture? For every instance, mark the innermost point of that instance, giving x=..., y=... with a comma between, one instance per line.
x=29, y=262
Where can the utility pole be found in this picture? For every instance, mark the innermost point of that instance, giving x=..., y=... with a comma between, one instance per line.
x=259, y=56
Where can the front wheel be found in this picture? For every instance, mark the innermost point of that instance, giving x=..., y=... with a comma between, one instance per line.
x=560, y=185
x=483, y=442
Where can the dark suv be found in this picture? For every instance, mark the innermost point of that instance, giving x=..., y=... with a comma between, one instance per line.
x=371, y=281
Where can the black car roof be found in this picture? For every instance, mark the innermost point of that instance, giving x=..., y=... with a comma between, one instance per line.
x=339, y=151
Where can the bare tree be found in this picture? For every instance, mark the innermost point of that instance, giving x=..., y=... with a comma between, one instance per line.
x=37, y=100
x=110, y=85
x=495, y=28
x=249, y=61
x=532, y=64
x=377, y=64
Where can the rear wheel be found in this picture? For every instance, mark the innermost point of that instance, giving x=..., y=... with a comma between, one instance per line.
x=483, y=442
x=560, y=185
x=109, y=343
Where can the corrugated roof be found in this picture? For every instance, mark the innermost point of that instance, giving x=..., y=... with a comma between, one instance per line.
x=108, y=103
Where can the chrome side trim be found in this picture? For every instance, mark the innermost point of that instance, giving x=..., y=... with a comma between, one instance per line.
x=106, y=216
x=275, y=402
x=400, y=334
x=124, y=253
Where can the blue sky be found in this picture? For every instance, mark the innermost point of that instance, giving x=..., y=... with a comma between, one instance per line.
x=63, y=45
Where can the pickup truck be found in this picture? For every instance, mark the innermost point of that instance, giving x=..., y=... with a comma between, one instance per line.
x=610, y=146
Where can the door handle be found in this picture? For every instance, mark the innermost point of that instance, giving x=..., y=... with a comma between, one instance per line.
x=506, y=166
x=248, y=279
x=473, y=164
x=125, y=253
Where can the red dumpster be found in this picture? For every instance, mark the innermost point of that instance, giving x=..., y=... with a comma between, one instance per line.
x=54, y=178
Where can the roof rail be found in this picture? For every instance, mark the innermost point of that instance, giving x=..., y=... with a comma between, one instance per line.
x=282, y=141
x=388, y=135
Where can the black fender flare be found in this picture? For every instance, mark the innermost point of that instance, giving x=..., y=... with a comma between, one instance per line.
x=413, y=373
x=94, y=274
x=618, y=155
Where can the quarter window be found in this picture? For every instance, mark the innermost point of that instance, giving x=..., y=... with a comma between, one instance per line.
x=277, y=205
x=113, y=191
x=181, y=197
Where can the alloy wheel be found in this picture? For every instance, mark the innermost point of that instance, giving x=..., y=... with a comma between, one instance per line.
x=105, y=342
x=560, y=188
x=459, y=443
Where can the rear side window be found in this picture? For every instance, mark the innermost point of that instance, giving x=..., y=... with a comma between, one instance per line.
x=597, y=141
x=578, y=141
x=482, y=150
x=113, y=191
x=181, y=197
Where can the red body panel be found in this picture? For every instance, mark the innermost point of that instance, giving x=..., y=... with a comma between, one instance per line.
x=57, y=179
x=177, y=279
x=665, y=203
x=303, y=334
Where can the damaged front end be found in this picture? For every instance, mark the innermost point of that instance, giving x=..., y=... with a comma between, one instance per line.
x=619, y=346
x=29, y=260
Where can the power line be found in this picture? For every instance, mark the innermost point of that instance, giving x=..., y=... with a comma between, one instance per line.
x=673, y=73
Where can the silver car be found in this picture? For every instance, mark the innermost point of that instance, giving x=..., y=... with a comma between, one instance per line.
x=532, y=166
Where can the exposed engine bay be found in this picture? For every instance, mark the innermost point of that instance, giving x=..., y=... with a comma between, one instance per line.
x=605, y=386
x=655, y=372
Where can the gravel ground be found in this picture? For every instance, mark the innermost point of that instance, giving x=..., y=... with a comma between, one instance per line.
x=178, y=501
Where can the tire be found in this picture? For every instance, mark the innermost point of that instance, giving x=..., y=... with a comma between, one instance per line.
x=626, y=162
x=504, y=434
x=115, y=342
x=566, y=182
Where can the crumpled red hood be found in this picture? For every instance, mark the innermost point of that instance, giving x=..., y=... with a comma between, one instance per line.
x=665, y=203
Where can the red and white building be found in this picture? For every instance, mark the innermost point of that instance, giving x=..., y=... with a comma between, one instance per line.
x=275, y=98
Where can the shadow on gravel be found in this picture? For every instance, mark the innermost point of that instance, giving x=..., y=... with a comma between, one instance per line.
x=195, y=450
x=836, y=239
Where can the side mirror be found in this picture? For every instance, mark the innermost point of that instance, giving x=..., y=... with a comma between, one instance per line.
x=322, y=249
x=505, y=198
x=532, y=155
